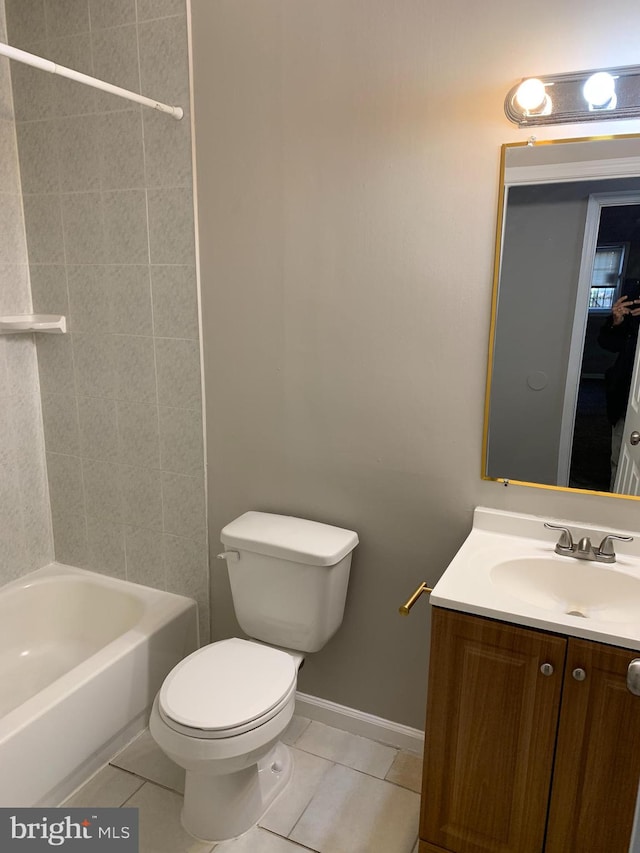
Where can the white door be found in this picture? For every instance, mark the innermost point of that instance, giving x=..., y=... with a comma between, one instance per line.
x=590, y=241
x=628, y=474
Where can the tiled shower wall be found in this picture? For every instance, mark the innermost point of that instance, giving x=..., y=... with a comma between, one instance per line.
x=25, y=526
x=107, y=191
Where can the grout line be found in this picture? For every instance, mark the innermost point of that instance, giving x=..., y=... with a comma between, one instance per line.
x=335, y=762
x=290, y=840
x=350, y=766
x=311, y=798
x=146, y=781
x=298, y=845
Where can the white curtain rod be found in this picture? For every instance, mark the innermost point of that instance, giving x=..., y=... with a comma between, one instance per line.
x=52, y=68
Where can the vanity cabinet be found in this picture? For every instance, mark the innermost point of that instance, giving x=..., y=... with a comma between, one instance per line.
x=597, y=764
x=520, y=755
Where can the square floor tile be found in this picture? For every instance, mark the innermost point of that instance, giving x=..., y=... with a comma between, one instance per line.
x=308, y=771
x=344, y=748
x=406, y=770
x=259, y=841
x=109, y=788
x=160, y=827
x=295, y=728
x=355, y=813
x=145, y=758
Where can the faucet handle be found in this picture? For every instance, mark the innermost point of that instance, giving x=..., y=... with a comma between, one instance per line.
x=565, y=542
x=605, y=551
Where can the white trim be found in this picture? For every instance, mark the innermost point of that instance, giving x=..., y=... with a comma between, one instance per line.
x=196, y=228
x=576, y=347
x=550, y=173
x=359, y=723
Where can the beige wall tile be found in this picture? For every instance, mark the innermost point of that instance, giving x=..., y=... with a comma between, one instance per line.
x=86, y=174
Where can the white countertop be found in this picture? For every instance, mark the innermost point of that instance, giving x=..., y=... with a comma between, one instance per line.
x=498, y=537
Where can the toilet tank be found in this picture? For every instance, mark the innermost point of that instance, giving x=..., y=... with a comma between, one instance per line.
x=288, y=577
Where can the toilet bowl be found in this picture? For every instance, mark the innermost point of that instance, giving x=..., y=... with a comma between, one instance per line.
x=221, y=712
x=220, y=715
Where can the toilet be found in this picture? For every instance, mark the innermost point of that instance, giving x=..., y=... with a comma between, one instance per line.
x=221, y=711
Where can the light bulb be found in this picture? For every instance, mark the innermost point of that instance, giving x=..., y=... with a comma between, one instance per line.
x=600, y=89
x=531, y=94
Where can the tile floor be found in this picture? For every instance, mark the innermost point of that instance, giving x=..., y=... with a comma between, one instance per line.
x=348, y=795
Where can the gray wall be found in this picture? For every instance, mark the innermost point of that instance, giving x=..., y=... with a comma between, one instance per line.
x=348, y=157
x=25, y=525
x=544, y=230
x=107, y=192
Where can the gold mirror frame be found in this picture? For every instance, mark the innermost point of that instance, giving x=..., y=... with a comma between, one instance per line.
x=501, y=214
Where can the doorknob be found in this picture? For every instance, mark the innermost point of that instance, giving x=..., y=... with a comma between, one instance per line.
x=634, y=438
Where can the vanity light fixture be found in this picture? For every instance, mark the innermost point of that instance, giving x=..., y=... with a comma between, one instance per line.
x=595, y=95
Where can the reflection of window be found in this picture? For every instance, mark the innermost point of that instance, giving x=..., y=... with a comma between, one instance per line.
x=608, y=267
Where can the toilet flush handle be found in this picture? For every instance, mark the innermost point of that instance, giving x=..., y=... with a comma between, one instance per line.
x=232, y=556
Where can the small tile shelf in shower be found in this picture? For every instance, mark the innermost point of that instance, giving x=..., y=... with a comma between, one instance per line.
x=16, y=323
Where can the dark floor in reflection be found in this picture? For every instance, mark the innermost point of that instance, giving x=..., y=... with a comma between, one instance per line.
x=590, y=457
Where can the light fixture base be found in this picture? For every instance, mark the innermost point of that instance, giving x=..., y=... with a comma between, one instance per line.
x=566, y=102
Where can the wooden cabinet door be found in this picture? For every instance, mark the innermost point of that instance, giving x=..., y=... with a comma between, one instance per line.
x=597, y=767
x=490, y=734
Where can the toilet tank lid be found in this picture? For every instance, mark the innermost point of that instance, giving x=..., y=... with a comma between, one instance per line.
x=289, y=538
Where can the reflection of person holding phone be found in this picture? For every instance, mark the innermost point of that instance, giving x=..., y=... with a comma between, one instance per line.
x=619, y=334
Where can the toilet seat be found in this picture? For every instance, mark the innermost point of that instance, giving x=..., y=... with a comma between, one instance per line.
x=227, y=688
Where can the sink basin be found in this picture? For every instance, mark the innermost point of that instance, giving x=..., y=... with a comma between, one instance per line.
x=570, y=587
x=507, y=569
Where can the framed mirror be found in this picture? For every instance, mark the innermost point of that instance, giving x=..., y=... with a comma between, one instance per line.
x=563, y=383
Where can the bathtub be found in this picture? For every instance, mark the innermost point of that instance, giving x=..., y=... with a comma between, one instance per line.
x=82, y=656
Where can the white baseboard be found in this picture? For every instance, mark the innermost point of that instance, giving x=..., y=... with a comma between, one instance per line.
x=359, y=723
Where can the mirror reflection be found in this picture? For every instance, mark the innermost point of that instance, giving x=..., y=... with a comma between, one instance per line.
x=563, y=405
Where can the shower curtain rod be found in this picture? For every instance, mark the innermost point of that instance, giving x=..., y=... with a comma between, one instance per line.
x=52, y=68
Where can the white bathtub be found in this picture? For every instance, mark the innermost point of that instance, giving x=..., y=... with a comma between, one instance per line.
x=82, y=656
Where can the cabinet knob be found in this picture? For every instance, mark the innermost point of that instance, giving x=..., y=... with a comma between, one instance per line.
x=579, y=674
x=546, y=669
x=633, y=677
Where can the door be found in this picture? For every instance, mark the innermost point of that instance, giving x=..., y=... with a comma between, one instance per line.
x=490, y=733
x=595, y=205
x=597, y=767
x=628, y=474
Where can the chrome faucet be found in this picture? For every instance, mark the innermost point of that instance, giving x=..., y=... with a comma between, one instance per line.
x=583, y=549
